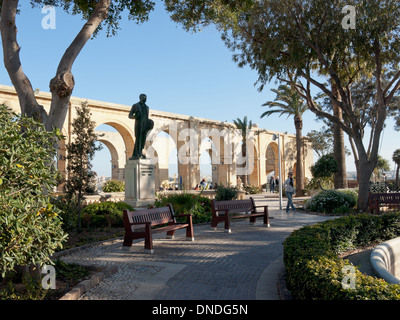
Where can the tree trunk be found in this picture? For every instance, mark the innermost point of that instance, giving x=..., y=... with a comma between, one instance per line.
x=340, y=180
x=298, y=122
x=365, y=170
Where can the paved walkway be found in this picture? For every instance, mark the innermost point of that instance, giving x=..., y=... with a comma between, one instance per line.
x=243, y=265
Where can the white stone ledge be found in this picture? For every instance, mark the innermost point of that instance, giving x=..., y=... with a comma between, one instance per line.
x=385, y=260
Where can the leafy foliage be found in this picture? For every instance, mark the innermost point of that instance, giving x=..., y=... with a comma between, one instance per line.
x=325, y=167
x=332, y=202
x=114, y=186
x=137, y=10
x=80, y=153
x=314, y=271
x=252, y=189
x=104, y=214
x=30, y=227
x=186, y=203
x=226, y=193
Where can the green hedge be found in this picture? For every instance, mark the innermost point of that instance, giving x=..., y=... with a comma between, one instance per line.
x=104, y=214
x=314, y=270
x=183, y=203
x=114, y=186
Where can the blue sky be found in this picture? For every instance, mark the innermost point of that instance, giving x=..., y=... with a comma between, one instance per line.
x=181, y=72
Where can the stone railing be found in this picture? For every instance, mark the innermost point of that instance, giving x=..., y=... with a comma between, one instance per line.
x=385, y=259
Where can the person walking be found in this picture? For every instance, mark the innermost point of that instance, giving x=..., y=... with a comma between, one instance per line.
x=289, y=189
x=272, y=184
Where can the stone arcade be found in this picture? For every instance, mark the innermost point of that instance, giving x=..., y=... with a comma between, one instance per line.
x=189, y=135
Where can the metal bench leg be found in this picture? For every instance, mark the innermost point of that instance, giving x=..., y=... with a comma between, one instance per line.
x=171, y=234
x=266, y=217
x=227, y=224
x=189, y=230
x=148, y=239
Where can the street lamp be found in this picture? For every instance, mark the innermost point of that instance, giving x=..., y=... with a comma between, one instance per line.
x=274, y=137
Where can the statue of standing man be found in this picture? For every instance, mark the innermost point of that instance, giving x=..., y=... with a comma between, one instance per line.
x=143, y=125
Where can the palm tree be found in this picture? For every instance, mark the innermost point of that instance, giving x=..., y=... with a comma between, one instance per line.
x=396, y=159
x=244, y=126
x=288, y=101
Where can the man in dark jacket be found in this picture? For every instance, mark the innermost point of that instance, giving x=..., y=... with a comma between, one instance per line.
x=143, y=125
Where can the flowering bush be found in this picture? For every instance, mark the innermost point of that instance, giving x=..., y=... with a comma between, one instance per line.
x=332, y=201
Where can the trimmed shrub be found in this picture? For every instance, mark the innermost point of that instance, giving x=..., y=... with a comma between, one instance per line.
x=314, y=270
x=114, y=186
x=184, y=203
x=252, y=189
x=226, y=193
x=104, y=214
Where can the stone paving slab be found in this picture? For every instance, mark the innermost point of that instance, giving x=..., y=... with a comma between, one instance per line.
x=243, y=265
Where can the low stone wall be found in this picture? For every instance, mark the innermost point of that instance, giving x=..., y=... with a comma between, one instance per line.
x=104, y=196
x=385, y=260
x=120, y=196
x=205, y=193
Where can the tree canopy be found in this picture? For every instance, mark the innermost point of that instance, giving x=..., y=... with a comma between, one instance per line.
x=309, y=40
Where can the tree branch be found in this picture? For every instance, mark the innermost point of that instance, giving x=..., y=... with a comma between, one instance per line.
x=12, y=62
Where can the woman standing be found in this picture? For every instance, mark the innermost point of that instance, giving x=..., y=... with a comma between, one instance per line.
x=289, y=188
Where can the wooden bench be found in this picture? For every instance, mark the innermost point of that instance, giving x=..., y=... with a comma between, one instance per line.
x=375, y=200
x=224, y=211
x=140, y=224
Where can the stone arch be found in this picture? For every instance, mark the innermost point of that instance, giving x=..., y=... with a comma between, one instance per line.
x=125, y=132
x=248, y=168
x=117, y=164
x=160, y=150
x=272, y=160
x=253, y=167
x=208, y=146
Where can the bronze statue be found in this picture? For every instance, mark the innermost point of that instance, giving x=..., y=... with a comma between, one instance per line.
x=143, y=125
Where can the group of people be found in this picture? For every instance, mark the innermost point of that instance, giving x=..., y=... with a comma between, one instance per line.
x=204, y=185
x=289, y=189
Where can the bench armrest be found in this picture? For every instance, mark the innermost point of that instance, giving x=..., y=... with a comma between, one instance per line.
x=182, y=215
x=187, y=215
x=261, y=206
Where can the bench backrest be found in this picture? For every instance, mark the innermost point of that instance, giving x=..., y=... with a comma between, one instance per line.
x=385, y=197
x=156, y=216
x=246, y=205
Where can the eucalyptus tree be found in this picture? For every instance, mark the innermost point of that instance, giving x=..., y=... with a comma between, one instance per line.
x=98, y=14
x=312, y=40
x=289, y=102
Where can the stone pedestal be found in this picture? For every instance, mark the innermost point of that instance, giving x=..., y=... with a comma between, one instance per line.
x=139, y=183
